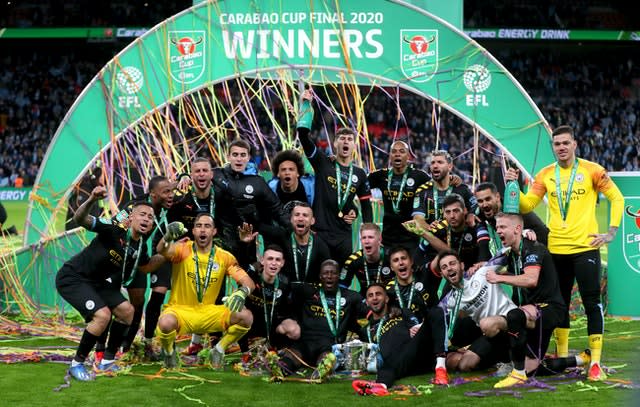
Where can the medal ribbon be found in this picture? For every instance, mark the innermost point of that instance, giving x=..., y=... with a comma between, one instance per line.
x=376, y=338
x=294, y=247
x=200, y=291
x=380, y=263
x=268, y=319
x=212, y=201
x=395, y=204
x=564, y=206
x=342, y=197
x=400, y=300
x=436, y=202
x=495, y=243
x=135, y=263
x=517, y=268
x=456, y=308
x=327, y=312
x=450, y=240
x=162, y=221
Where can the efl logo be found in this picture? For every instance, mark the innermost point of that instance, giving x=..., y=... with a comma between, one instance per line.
x=129, y=80
x=186, y=55
x=477, y=80
x=419, y=54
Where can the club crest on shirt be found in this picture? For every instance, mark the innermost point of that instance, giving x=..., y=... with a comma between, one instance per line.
x=579, y=177
x=248, y=189
x=468, y=237
x=354, y=178
x=419, y=286
x=410, y=182
x=386, y=271
x=90, y=305
x=343, y=302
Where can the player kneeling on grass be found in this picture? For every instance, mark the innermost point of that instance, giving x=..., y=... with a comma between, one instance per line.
x=198, y=271
x=403, y=351
x=327, y=313
x=90, y=281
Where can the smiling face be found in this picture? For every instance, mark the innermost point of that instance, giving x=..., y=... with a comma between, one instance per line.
x=302, y=219
x=162, y=194
x=204, y=231
x=564, y=147
x=377, y=299
x=440, y=168
x=141, y=219
x=451, y=269
x=202, y=174
x=402, y=265
x=288, y=175
x=238, y=158
x=344, y=145
x=488, y=202
x=272, y=262
x=329, y=276
x=455, y=215
x=399, y=156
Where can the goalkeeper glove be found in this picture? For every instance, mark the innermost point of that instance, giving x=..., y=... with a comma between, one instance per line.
x=305, y=116
x=235, y=301
x=174, y=231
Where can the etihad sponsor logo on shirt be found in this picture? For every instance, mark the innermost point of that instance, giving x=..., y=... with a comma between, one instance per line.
x=332, y=181
x=115, y=258
x=192, y=276
x=318, y=310
x=575, y=193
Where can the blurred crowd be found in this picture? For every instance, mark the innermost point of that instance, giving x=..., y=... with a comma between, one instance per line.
x=578, y=14
x=596, y=91
x=598, y=99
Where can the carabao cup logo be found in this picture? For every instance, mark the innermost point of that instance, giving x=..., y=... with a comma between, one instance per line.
x=419, y=54
x=186, y=55
x=631, y=238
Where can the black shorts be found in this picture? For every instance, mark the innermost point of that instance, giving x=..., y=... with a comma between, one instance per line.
x=86, y=295
x=159, y=278
x=310, y=350
x=465, y=332
x=491, y=350
x=550, y=316
x=340, y=244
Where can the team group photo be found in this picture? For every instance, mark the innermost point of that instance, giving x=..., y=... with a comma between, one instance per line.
x=347, y=202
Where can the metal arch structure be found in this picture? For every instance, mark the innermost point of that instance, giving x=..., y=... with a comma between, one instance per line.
x=362, y=41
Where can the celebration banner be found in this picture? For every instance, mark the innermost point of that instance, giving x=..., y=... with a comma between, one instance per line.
x=362, y=42
x=624, y=251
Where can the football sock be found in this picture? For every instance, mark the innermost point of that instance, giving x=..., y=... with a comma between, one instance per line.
x=562, y=342
x=233, y=334
x=152, y=313
x=167, y=340
x=595, y=345
x=87, y=342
